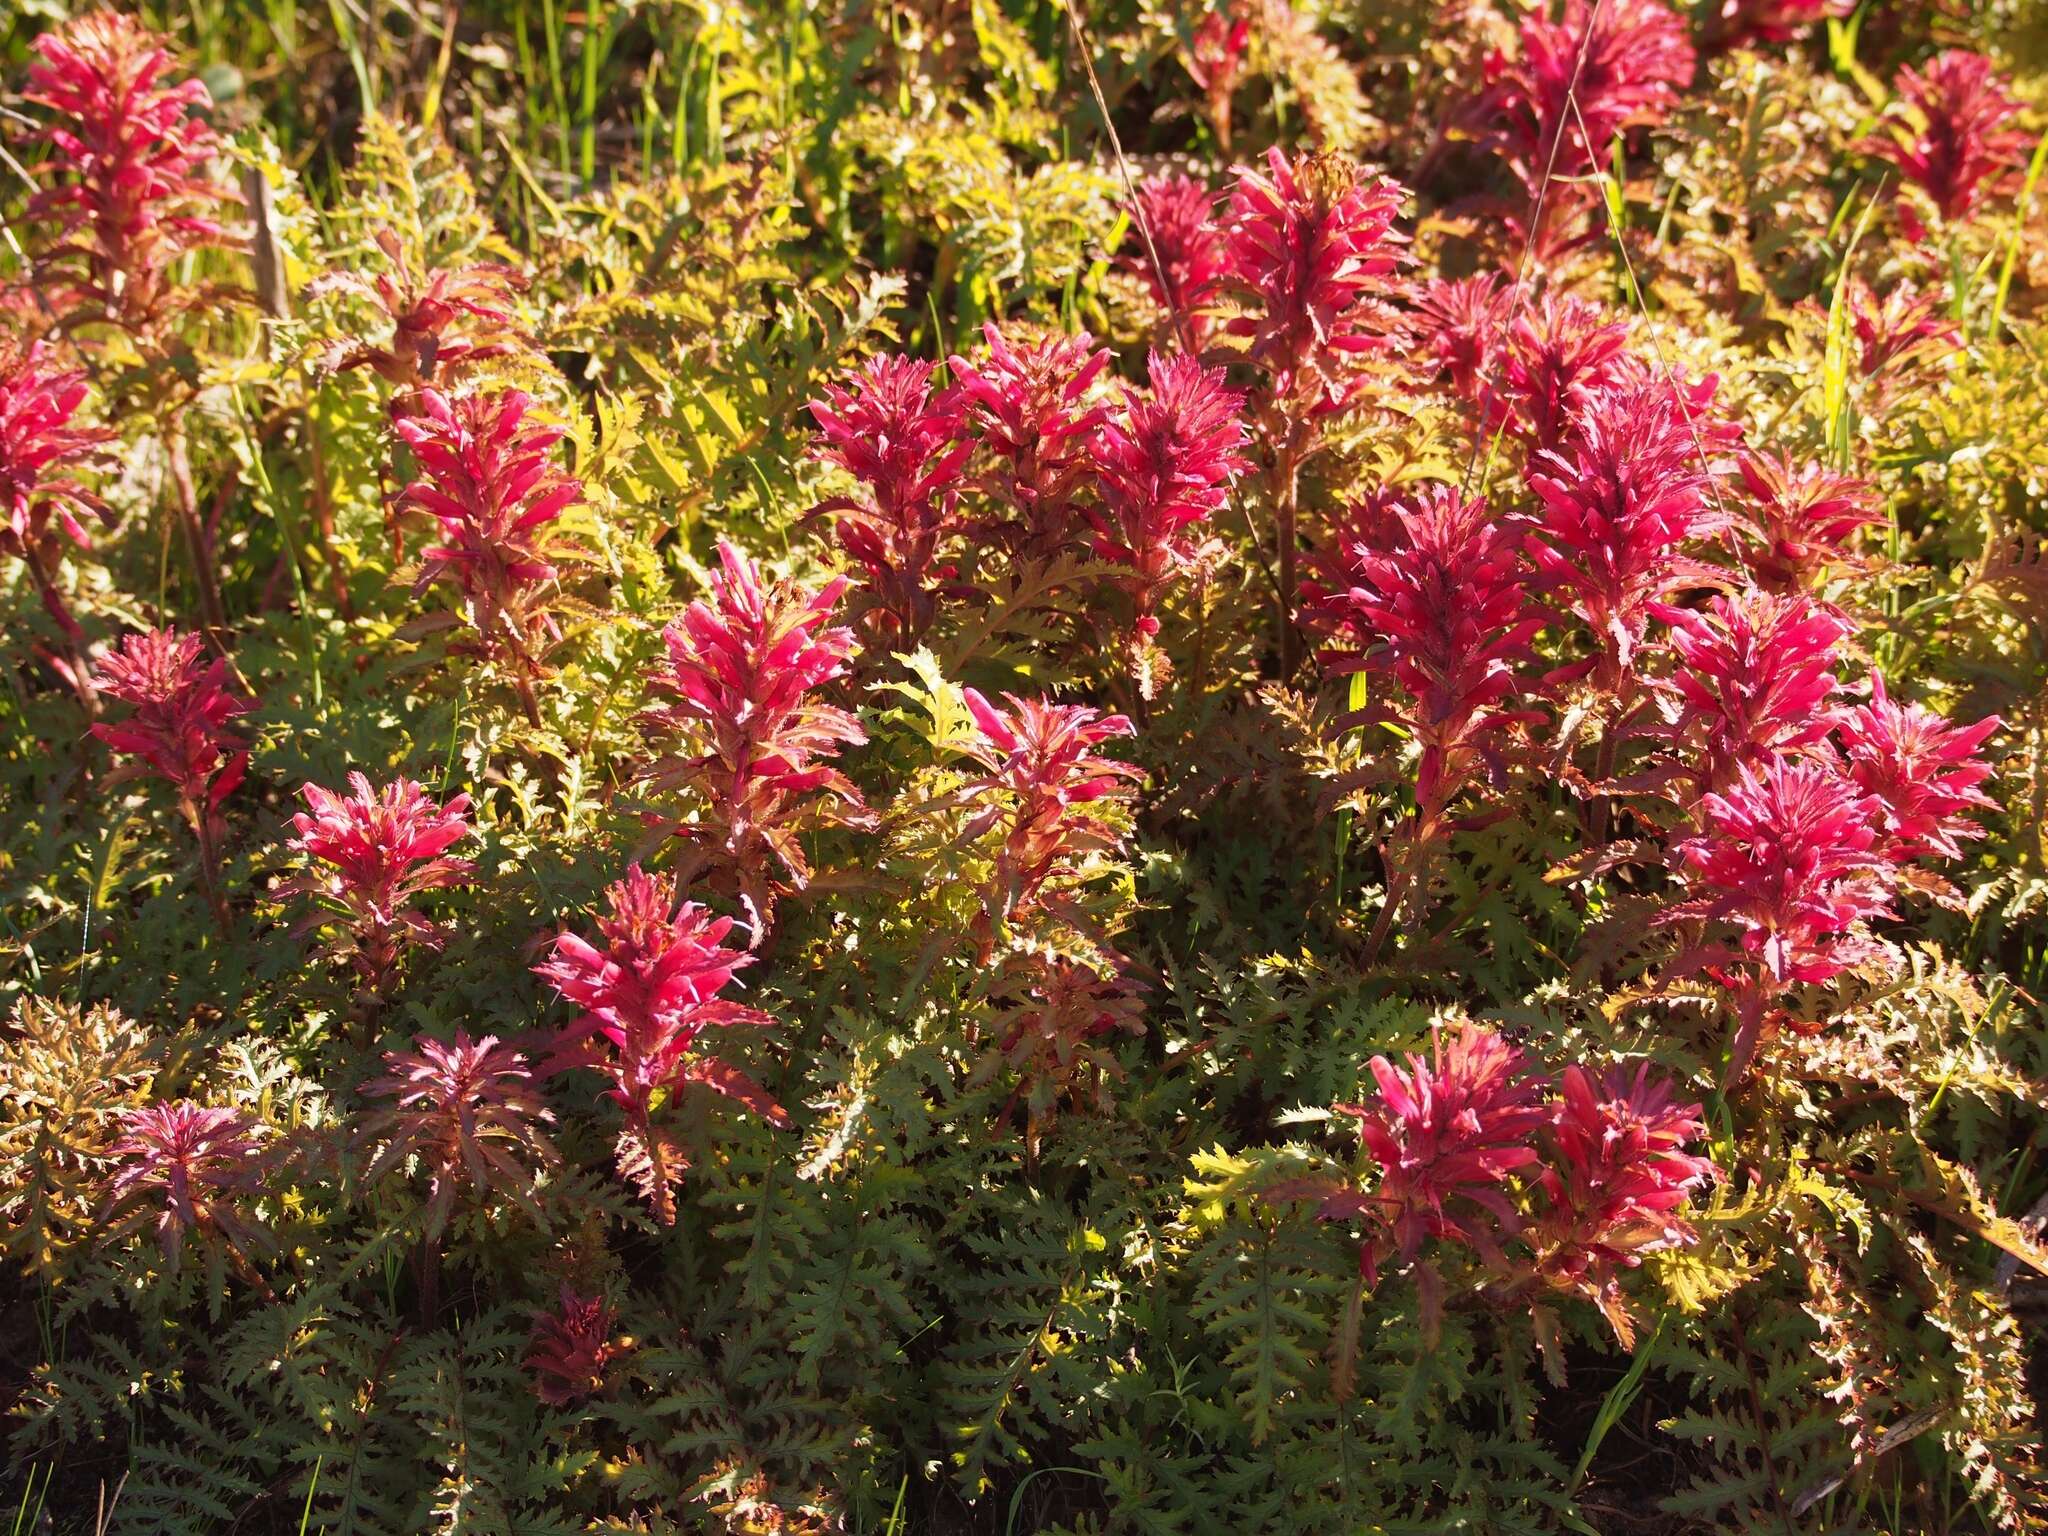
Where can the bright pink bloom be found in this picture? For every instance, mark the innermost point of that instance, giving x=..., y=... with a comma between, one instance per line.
x=1899, y=337
x=571, y=1348
x=425, y=310
x=1922, y=772
x=1447, y=1134
x=902, y=441
x=1620, y=505
x=1789, y=855
x=1439, y=602
x=752, y=740
x=1167, y=462
x=1803, y=515
x=1180, y=213
x=1752, y=680
x=1562, y=354
x=132, y=159
x=38, y=445
x=1603, y=68
x=183, y=704
x=1617, y=1174
x=1042, y=786
x=1032, y=409
x=194, y=1162
x=369, y=853
x=1461, y=323
x=1216, y=61
x=486, y=478
x=1313, y=246
x=471, y=1112
x=648, y=993
x=1951, y=140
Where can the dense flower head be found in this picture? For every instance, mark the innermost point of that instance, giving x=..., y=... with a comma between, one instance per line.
x=751, y=738
x=1179, y=213
x=1923, y=773
x=1788, y=853
x=1803, y=516
x=368, y=854
x=132, y=192
x=192, y=1162
x=1899, y=336
x=1312, y=245
x=1599, y=69
x=570, y=1348
x=1447, y=1134
x=1439, y=601
x=487, y=479
x=441, y=320
x=1032, y=407
x=890, y=430
x=1619, y=506
x=471, y=1112
x=1216, y=60
x=1949, y=136
x=39, y=448
x=648, y=988
x=1616, y=1174
x=1460, y=323
x=179, y=725
x=1752, y=679
x=1562, y=354
x=1042, y=783
x=1167, y=461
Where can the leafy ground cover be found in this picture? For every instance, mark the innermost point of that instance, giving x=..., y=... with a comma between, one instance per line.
x=963, y=768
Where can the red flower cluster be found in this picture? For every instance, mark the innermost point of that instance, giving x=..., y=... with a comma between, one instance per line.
x=1179, y=214
x=192, y=1163
x=424, y=310
x=1922, y=773
x=38, y=445
x=571, y=1348
x=487, y=480
x=1055, y=1027
x=901, y=440
x=179, y=727
x=648, y=993
x=471, y=1112
x=1562, y=355
x=1899, y=337
x=1216, y=61
x=1032, y=409
x=752, y=740
x=1802, y=516
x=1459, y=322
x=132, y=160
x=379, y=849
x=1951, y=140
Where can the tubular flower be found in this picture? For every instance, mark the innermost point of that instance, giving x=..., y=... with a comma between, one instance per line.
x=1043, y=787
x=1216, y=61
x=1461, y=322
x=649, y=989
x=424, y=311
x=1179, y=212
x=1312, y=245
x=1899, y=337
x=1617, y=1174
x=1803, y=517
x=1167, y=461
x=1949, y=135
x=1440, y=603
x=179, y=725
x=751, y=740
x=193, y=1163
x=1447, y=1135
x=1922, y=772
x=368, y=854
x=1031, y=407
x=1752, y=681
x=571, y=1348
x=1559, y=358
x=132, y=160
x=902, y=441
x=1619, y=507
x=471, y=1112
x=1056, y=1029
x=486, y=479
x=1579, y=81
x=38, y=445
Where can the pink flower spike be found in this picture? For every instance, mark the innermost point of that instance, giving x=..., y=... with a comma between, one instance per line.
x=1031, y=406
x=38, y=448
x=1804, y=516
x=194, y=1162
x=425, y=311
x=751, y=739
x=571, y=1348
x=1462, y=323
x=1948, y=132
x=1180, y=213
x=178, y=729
x=1562, y=354
x=1922, y=772
x=369, y=853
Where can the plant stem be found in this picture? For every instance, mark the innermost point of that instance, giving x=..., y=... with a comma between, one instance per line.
x=211, y=612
